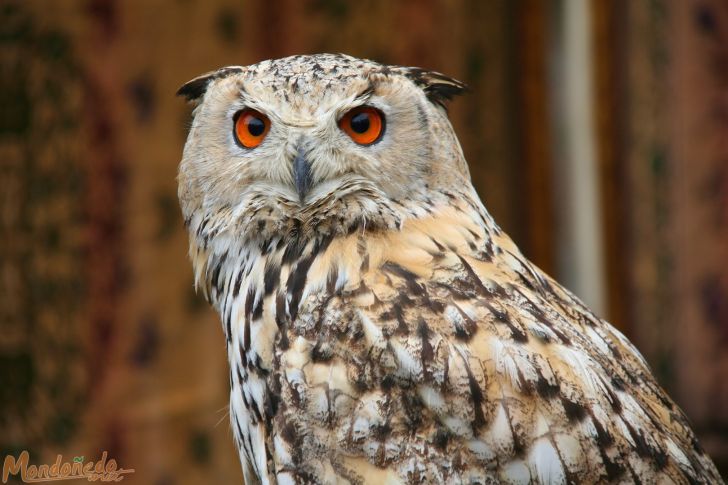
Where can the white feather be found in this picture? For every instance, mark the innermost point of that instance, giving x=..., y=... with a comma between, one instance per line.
x=516, y=472
x=512, y=362
x=545, y=464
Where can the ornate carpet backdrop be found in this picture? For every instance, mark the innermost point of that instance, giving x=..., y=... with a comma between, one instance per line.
x=105, y=345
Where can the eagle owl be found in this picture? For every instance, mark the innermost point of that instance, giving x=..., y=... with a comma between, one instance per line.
x=381, y=328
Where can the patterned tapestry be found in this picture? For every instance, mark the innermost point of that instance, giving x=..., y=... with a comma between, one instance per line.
x=106, y=346
x=676, y=211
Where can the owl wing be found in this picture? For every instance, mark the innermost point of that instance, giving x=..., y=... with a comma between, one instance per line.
x=501, y=372
x=453, y=359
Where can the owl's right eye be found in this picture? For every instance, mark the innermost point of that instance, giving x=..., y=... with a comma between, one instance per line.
x=251, y=126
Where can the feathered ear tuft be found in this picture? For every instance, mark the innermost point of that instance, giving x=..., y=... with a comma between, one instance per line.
x=195, y=88
x=437, y=87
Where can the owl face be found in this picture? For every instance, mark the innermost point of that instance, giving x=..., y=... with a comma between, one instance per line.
x=311, y=143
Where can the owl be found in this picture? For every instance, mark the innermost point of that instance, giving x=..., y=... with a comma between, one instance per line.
x=380, y=326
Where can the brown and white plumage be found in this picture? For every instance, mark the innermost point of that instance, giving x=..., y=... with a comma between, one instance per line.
x=380, y=327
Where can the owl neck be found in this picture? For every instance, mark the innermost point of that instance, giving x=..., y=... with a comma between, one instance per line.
x=275, y=279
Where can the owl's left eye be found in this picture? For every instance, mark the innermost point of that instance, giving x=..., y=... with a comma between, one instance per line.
x=364, y=125
x=251, y=126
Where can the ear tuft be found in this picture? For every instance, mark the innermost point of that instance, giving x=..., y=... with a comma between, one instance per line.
x=195, y=88
x=437, y=87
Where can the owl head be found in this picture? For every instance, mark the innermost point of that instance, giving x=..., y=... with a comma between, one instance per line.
x=320, y=144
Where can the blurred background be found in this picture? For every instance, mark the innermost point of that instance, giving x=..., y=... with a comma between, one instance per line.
x=596, y=132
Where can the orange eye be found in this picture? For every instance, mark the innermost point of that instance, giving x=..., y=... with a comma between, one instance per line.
x=251, y=127
x=364, y=125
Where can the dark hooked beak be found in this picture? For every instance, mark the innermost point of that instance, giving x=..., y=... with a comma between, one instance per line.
x=302, y=174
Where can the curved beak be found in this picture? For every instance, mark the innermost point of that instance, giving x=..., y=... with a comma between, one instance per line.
x=302, y=174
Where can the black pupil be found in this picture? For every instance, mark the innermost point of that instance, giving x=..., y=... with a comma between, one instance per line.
x=256, y=126
x=360, y=122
